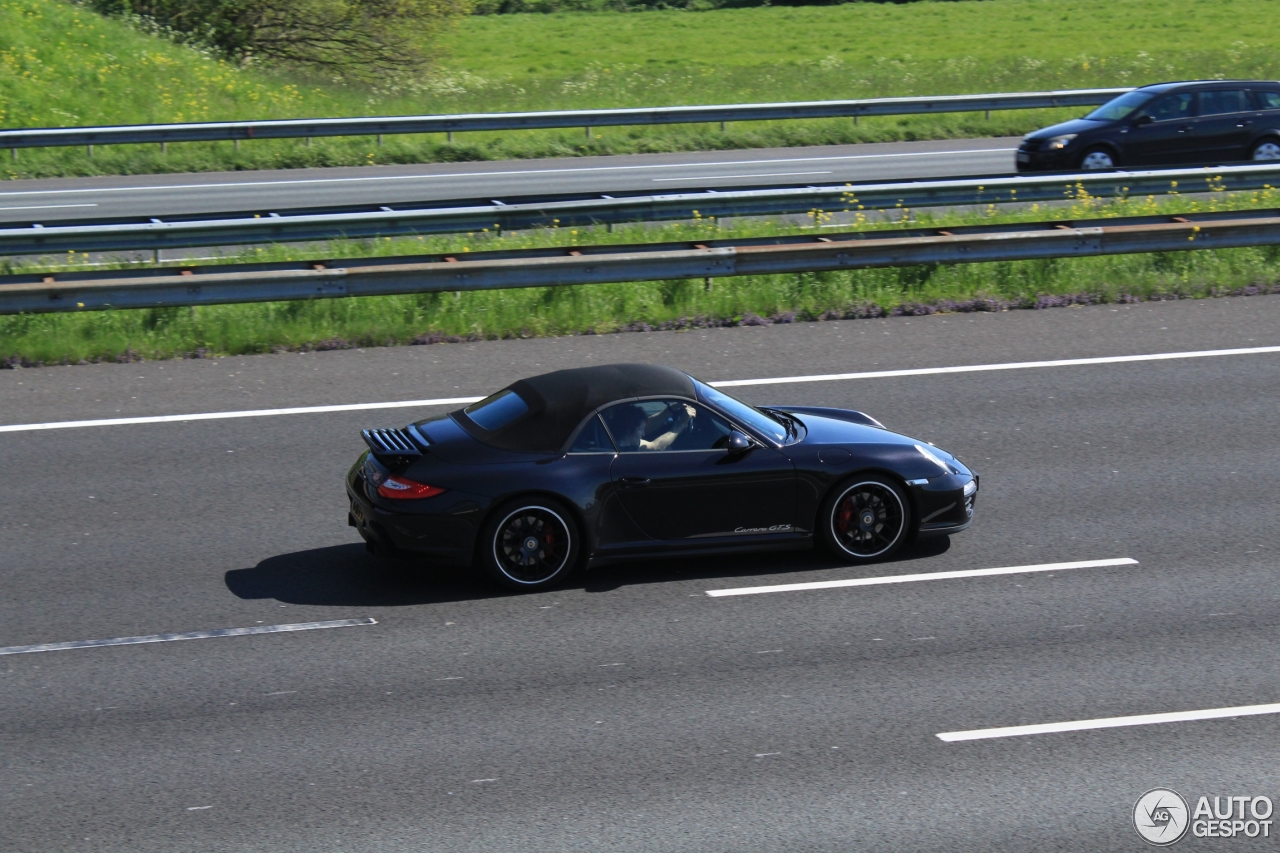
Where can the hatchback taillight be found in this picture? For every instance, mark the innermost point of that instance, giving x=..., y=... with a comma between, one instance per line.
x=402, y=488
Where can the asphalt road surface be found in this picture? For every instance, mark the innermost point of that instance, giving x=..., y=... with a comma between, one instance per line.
x=53, y=200
x=630, y=711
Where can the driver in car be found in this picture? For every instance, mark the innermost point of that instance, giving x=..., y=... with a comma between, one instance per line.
x=666, y=426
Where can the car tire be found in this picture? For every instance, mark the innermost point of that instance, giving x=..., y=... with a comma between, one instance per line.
x=1098, y=157
x=1265, y=149
x=865, y=518
x=529, y=544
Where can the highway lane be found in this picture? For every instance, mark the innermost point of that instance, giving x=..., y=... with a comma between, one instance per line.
x=630, y=711
x=63, y=199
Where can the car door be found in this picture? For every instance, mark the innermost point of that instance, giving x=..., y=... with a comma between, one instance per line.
x=1159, y=135
x=1223, y=126
x=678, y=480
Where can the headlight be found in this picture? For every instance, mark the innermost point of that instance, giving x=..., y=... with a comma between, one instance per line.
x=1059, y=142
x=933, y=457
x=969, y=488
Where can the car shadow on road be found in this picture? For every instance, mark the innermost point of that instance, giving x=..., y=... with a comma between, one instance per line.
x=347, y=576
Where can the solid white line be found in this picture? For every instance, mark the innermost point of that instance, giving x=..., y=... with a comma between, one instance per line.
x=47, y=206
x=717, y=177
x=252, y=413
x=1112, y=722
x=731, y=383
x=925, y=576
x=978, y=368
x=189, y=635
x=505, y=172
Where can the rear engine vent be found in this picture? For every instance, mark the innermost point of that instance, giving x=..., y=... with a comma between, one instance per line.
x=391, y=442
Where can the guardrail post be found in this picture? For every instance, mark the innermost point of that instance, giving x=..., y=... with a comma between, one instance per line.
x=308, y=141
x=722, y=127
x=13, y=154
x=379, y=140
x=450, y=137
x=89, y=149
x=237, y=144
x=164, y=148
x=987, y=115
x=588, y=134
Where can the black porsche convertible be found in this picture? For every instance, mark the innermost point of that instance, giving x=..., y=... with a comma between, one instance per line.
x=596, y=464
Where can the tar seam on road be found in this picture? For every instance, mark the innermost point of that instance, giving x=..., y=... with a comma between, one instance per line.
x=926, y=576
x=505, y=172
x=729, y=383
x=188, y=635
x=1112, y=722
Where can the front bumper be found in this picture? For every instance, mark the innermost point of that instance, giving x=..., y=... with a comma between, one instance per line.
x=1058, y=160
x=945, y=504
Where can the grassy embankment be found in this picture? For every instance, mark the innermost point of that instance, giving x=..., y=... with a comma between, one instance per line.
x=379, y=321
x=63, y=65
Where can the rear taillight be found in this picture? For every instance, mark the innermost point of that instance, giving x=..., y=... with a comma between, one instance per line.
x=402, y=488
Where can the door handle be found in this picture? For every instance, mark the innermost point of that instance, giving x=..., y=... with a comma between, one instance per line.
x=1184, y=128
x=1245, y=123
x=634, y=482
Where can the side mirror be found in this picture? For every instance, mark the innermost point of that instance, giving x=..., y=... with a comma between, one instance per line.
x=739, y=442
x=1142, y=121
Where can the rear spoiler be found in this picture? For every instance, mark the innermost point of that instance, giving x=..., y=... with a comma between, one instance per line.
x=395, y=442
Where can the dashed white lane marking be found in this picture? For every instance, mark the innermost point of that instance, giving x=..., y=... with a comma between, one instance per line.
x=506, y=172
x=1112, y=722
x=926, y=576
x=729, y=383
x=1013, y=365
x=47, y=206
x=254, y=413
x=188, y=635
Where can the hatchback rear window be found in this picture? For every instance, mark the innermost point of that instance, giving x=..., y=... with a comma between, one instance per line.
x=497, y=411
x=1268, y=99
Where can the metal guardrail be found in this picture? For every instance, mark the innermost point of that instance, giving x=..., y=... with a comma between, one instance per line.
x=149, y=288
x=113, y=235
x=43, y=137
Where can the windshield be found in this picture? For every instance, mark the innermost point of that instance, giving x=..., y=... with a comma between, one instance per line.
x=1121, y=107
x=497, y=411
x=740, y=411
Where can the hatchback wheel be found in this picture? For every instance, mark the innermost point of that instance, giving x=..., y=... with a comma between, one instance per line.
x=865, y=518
x=529, y=545
x=1267, y=149
x=1097, y=158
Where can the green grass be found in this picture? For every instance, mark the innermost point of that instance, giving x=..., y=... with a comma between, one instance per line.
x=62, y=65
x=379, y=321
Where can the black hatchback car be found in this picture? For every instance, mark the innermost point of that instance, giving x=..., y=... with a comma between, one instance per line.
x=1203, y=123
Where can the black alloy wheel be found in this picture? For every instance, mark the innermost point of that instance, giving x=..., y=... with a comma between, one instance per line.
x=530, y=545
x=865, y=518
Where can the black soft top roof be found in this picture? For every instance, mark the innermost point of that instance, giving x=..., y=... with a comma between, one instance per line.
x=559, y=401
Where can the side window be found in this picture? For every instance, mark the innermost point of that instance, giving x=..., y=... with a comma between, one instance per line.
x=1218, y=101
x=654, y=425
x=593, y=439
x=1267, y=99
x=1172, y=107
